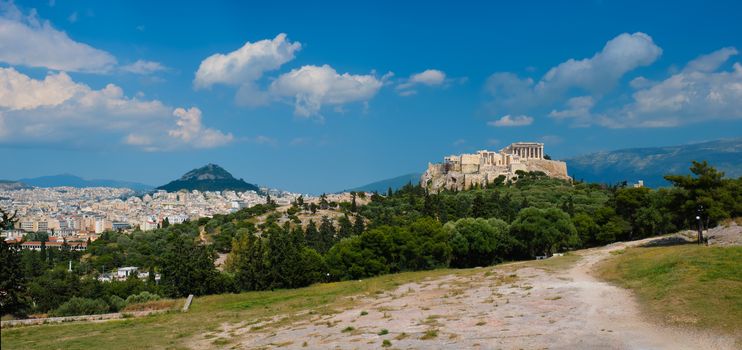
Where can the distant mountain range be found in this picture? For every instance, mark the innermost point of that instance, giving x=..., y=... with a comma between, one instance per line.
x=382, y=186
x=76, y=181
x=651, y=164
x=210, y=177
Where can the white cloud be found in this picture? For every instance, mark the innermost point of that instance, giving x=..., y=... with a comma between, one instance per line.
x=508, y=120
x=710, y=62
x=247, y=64
x=58, y=111
x=578, y=109
x=311, y=87
x=18, y=91
x=144, y=67
x=26, y=40
x=700, y=92
x=429, y=77
x=596, y=75
x=619, y=56
x=72, y=17
x=191, y=131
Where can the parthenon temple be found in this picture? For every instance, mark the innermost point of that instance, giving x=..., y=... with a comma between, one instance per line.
x=466, y=170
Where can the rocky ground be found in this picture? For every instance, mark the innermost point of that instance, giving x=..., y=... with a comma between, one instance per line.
x=517, y=306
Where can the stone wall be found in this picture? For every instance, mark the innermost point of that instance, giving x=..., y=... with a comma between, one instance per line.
x=464, y=171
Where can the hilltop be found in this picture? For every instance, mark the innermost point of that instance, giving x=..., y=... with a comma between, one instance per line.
x=652, y=163
x=210, y=177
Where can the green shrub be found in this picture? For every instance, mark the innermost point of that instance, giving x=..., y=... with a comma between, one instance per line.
x=142, y=297
x=81, y=306
x=116, y=303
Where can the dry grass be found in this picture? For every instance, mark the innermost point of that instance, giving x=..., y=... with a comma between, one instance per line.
x=163, y=304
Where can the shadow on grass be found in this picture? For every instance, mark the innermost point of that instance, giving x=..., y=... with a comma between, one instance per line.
x=667, y=242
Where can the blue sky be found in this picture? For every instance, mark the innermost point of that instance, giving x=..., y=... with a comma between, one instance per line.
x=319, y=97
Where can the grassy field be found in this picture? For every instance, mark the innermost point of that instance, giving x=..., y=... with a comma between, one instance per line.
x=174, y=329
x=685, y=285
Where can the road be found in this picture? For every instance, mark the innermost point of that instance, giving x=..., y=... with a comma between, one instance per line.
x=516, y=306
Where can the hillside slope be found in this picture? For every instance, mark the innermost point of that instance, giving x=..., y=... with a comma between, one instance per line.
x=210, y=177
x=651, y=164
x=554, y=303
x=382, y=186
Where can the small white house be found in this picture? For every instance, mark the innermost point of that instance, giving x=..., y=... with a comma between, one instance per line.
x=125, y=272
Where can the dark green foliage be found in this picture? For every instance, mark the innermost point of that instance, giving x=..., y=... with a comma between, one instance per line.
x=410, y=229
x=188, y=268
x=142, y=297
x=345, y=228
x=543, y=232
x=12, y=287
x=82, y=306
x=706, y=188
x=209, y=178
x=422, y=245
x=326, y=235
x=478, y=242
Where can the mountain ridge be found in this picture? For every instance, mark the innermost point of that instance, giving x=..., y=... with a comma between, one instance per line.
x=70, y=180
x=650, y=164
x=382, y=186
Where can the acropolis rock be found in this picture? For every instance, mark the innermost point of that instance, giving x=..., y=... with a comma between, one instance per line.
x=459, y=172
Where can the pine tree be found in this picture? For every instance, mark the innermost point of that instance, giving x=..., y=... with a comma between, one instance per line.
x=312, y=236
x=359, y=226
x=353, y=205
x=13, y=295
x=297, y=236
x=327, y=234
x=346, y=227
x=478, y=206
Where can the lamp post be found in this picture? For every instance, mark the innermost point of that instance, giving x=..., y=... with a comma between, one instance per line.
x=700, y=225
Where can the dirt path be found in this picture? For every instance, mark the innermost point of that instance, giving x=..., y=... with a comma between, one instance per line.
x=507, y=307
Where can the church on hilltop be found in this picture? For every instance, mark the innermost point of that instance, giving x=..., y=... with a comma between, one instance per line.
x=459, y=172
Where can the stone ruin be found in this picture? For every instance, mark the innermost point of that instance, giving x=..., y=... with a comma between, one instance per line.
x=460, y=172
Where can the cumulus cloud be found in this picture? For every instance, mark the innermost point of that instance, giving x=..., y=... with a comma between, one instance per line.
x=429, y=77
x=247, y=64
x=190, y=130
x=578, y=109
x=59, y=111
x=700, y=92
x=508, y=120
x=311, y=87
x=144, y=67
x=26, y=40
x=596, y=75
x=19, y=91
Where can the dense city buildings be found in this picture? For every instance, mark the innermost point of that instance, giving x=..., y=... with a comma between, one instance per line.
x=81, y=213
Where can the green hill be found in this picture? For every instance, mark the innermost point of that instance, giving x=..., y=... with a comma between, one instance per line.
x=210, y=177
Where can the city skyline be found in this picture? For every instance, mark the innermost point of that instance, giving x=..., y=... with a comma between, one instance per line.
x=145, y=92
